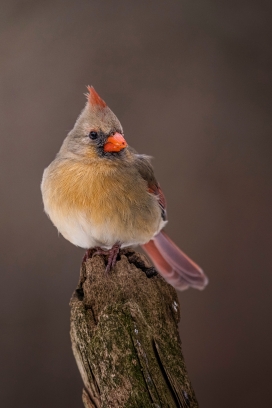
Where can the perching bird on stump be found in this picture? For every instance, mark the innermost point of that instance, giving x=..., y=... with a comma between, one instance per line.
x=101, y=194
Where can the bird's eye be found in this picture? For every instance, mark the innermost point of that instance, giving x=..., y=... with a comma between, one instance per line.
x=93, y=135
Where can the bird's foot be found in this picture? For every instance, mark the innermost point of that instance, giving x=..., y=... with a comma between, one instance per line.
x=111, y=253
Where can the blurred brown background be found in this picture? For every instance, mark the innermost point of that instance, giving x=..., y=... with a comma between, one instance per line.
x=190, y=82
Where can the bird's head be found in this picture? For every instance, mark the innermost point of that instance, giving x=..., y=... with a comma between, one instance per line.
x=97, y=131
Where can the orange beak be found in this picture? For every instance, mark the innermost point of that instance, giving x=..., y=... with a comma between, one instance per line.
x=115, y=143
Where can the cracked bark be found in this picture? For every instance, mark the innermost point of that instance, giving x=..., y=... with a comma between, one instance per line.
x=124, y=332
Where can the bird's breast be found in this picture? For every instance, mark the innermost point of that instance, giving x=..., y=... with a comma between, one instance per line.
x=97, y=204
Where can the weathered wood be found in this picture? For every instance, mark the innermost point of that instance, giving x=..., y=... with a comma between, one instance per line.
x=124, y=331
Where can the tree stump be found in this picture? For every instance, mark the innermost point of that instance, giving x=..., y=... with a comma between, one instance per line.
x=124, y=332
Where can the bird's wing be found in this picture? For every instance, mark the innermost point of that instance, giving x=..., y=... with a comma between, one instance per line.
x=146, y=171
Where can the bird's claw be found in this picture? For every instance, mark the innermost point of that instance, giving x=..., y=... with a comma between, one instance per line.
x=111, y=253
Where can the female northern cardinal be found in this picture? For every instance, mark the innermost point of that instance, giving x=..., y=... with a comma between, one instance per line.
x=100, y=193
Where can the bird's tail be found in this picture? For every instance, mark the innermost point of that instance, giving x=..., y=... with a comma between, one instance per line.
x=176, y=267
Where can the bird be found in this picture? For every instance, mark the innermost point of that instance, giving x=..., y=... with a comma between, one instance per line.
x=101, y=194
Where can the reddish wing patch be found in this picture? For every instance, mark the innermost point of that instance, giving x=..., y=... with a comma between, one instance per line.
x=157, y=191
x=94, y=99
x=162, y=199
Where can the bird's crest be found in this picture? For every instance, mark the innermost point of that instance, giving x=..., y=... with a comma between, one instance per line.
x=94, y=99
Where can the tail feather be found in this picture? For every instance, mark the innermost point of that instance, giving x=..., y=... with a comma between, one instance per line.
x=175, y=266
